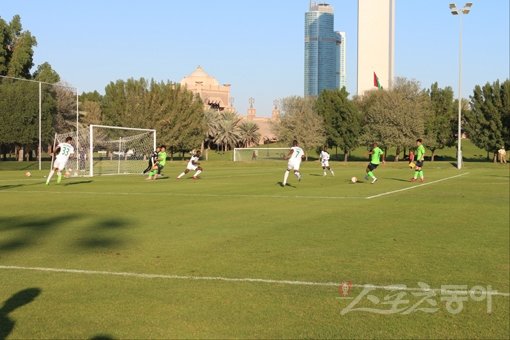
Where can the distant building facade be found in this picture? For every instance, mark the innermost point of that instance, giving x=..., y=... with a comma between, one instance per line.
x=341, y=53
x=376, y=43
x=214, y=95
x=322, y=50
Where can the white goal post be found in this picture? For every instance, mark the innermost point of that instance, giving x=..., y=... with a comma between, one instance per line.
x=115, y=150
x=110, y=150
x=259, y=154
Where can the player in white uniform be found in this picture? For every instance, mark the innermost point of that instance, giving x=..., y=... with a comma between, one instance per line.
x=63, y=151
x=324, y=158
x=193, y=165
x=295, y=156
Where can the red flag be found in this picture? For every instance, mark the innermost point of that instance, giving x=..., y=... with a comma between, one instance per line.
x=376, y=82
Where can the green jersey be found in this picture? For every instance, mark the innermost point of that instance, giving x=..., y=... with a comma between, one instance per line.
x=376, y=155
x=420, y=153
x=162, y=158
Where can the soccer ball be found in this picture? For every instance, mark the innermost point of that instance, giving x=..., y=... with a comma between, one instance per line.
x=67, y=174
x=354, y=179
x=28, y=174
x=412, y=165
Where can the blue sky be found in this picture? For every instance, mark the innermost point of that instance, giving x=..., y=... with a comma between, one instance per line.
x=255, y=45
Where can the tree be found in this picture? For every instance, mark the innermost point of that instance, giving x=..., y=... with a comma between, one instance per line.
x=489, y=112
x=249, y=133
x=20, y=49
x=176, y=113
x=300, y=122
x=342, y=119
x=438, y=125
x=46, y=73
x=228, y=134
x=396, y=117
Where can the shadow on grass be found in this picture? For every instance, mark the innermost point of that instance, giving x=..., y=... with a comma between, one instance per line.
x=79, y=182
x=287, y=185
x=102, y=337
x=27, y=231
x=19, y=299
x=10, y=186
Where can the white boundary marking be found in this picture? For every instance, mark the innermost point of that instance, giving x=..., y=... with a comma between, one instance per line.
x=249, y=280
x=414, y=187
x=178, y=194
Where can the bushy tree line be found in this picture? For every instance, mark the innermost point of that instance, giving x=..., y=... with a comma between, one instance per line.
x=395, y=118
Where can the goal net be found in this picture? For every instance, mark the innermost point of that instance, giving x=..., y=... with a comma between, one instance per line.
x=110, y=150
x=258, y=154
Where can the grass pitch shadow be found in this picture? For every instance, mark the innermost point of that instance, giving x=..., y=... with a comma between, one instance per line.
x=17, y=300
x=21, y=232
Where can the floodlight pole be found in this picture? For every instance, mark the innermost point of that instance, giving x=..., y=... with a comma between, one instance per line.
x=460, y=12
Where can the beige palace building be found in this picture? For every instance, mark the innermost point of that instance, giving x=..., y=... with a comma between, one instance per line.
x=376, y=43
x=214, y=95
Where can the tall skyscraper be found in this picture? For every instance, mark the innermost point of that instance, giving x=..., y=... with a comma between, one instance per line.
x=376, y=44
x=322, y=50
x=341, y=46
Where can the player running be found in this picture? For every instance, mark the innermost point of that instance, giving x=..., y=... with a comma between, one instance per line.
x=295, y=156
x=420, y=158
x=376, y=154
x=193, y=165
x=63, y=151
x=324, y=159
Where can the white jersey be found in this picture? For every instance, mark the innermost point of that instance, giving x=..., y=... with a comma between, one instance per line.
x=66, y=150
x=295, y=158
x=324, y=157
x=192, y=163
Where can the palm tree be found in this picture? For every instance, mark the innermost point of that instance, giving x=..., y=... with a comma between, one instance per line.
x=228, y=130
x=249, y=133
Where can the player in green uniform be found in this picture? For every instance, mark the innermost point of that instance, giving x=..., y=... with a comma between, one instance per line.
x=376, y=155
x=420, y=157
x=156, y=170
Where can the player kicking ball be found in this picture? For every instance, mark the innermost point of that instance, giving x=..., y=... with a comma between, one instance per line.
x=193, y=165
x=324, y=159
x=63, y=151
x=295, y=156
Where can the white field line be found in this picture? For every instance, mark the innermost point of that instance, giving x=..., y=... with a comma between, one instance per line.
x=414, y=187
x=178, y=194
x=243, y=280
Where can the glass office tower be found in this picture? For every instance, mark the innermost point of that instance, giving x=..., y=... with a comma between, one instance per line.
x=322, y=59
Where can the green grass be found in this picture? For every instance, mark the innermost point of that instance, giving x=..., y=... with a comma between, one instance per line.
x=238, y=222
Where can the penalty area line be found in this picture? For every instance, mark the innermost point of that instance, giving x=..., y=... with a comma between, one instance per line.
x=247, y=280
x=414, y=187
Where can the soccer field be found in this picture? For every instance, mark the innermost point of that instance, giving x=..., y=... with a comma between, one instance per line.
x=235, y=255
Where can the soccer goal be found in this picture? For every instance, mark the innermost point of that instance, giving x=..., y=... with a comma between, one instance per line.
x=259, y=154
x=110, y=150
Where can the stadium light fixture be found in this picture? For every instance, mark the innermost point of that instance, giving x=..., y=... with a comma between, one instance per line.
x=460, y=12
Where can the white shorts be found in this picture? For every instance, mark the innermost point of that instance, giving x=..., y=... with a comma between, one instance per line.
x=192, y=167
x=59, y=163
x=294, y=164
x=325, y=163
